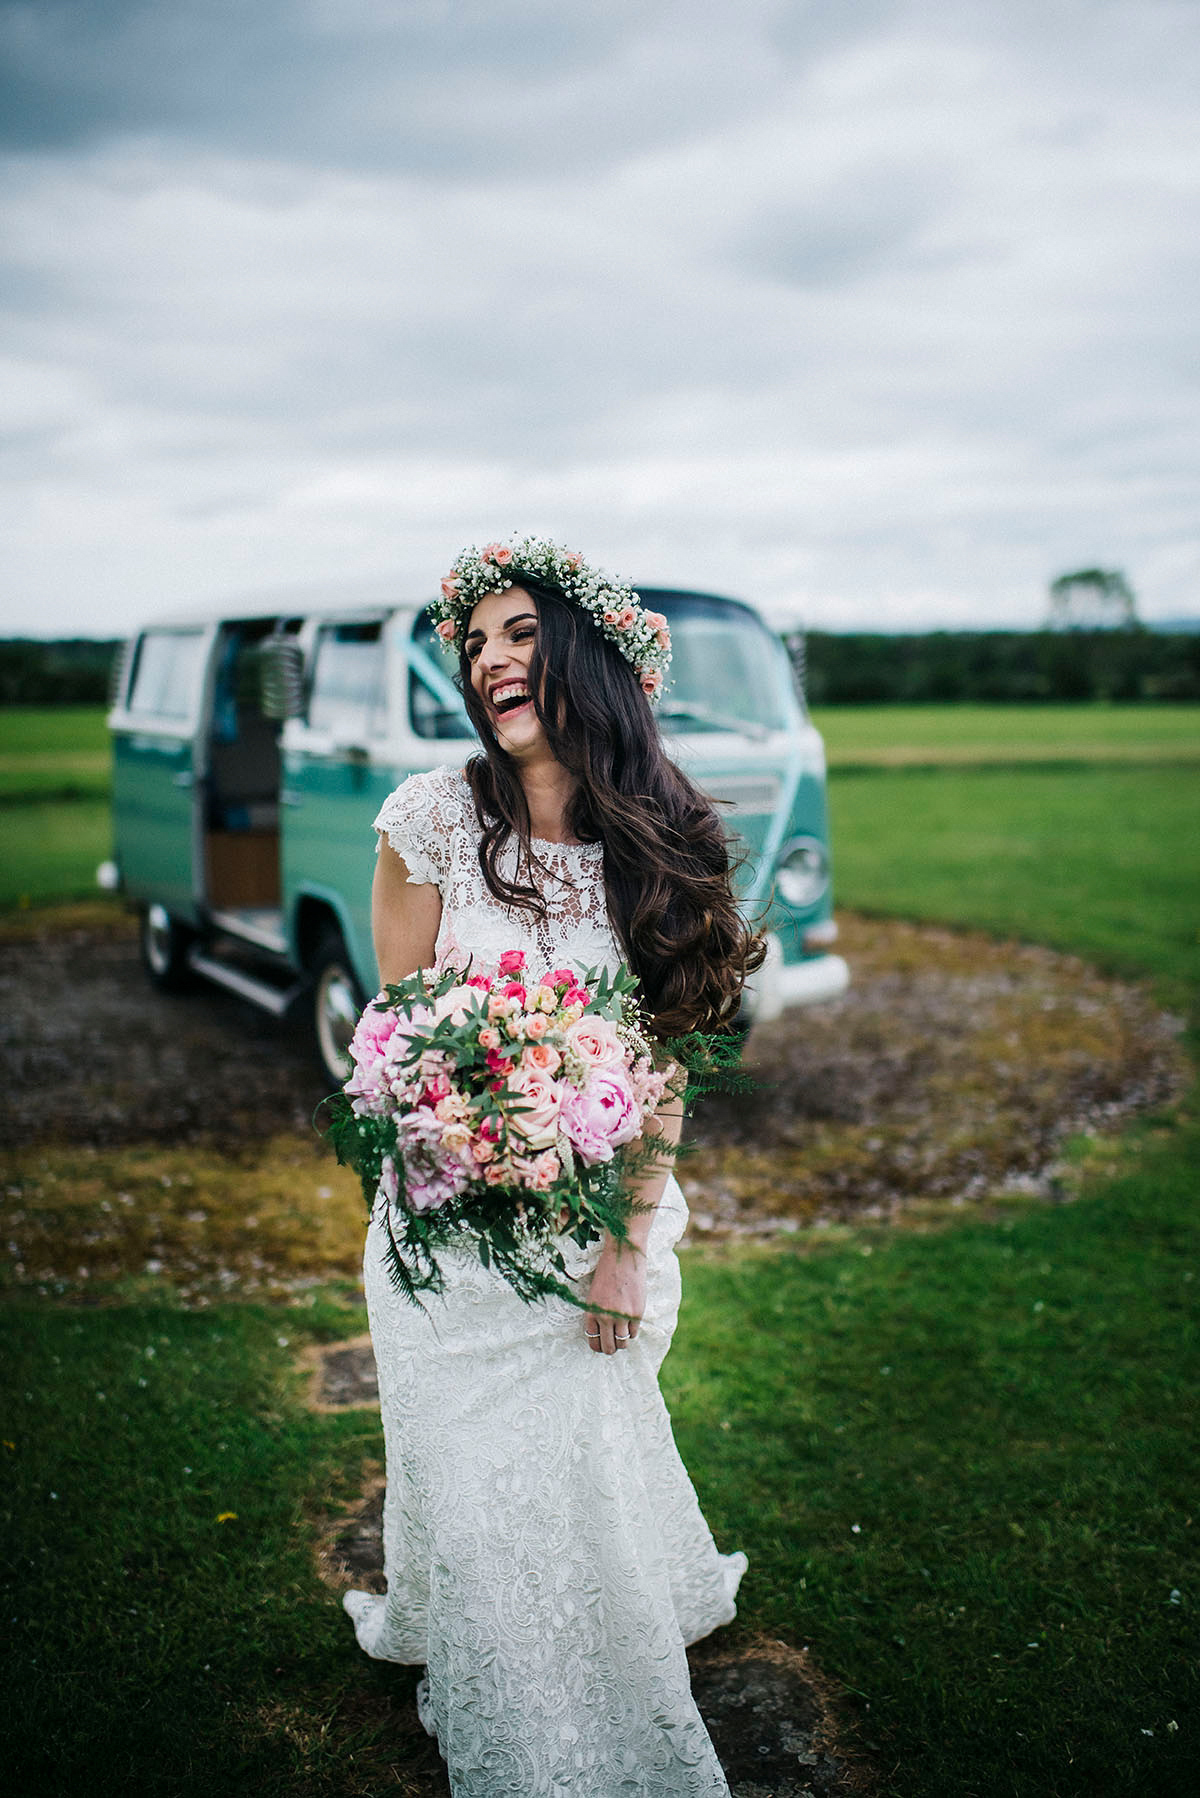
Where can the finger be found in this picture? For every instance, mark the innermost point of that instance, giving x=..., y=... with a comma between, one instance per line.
x=591, y=1331
x=635, y=1324
x=607, y=1336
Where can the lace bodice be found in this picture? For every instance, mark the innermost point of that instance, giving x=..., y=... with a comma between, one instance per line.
x=430, y=822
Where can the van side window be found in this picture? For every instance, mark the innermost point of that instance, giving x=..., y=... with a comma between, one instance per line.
x=347, y=683
x=167, y=673
x=435, y=707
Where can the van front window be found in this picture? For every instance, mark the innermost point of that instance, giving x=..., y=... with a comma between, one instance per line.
x=166, y=674
x=728, y=672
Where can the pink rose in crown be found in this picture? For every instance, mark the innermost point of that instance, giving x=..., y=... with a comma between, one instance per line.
x=656, y=620
x=445, y=629
x=449, y=591
x=573, y=560
x=596, y=1043
x=540, y=1100
x=499, y=553
x=602, y=1117
x=651, y=683
x=513, y=961
x=625, y=617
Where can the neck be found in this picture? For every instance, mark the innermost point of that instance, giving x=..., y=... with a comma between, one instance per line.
x=548, y=789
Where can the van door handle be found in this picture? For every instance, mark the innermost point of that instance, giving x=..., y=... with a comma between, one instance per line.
x=186, y=779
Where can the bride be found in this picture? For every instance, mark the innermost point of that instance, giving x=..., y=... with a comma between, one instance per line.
x=546, y=1558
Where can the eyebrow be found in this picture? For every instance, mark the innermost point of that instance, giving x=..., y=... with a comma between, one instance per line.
x=507, y=625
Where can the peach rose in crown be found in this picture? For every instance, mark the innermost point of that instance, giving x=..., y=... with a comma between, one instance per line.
x=499, y=553
x=651, y=683
x=541, y=1101
x=625, y=617
x=449, y=589
x=656, y=620
x=446, y=629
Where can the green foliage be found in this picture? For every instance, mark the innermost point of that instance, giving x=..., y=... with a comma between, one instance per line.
x=860, y=668
x=74, y=671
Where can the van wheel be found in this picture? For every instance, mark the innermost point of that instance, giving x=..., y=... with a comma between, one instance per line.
x=165, y=943
x=337, y=1006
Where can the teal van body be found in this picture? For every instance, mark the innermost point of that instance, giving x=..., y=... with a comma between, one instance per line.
x=252, y=750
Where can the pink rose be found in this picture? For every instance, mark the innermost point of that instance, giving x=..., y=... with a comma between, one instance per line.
x=511, y=962
x=449, y=591
x=499, y=553
x=538, y=1172
x=596, y=1043
x=601, y=1117
x=483, y=1150
x=560, y=977
x=489, y=1038
x=578, y=995
x=496, y=1174
x=514, y=990
x=537, y=1025
x=610, y=617
x=573, y=560
x=625, y=617
x=651, y=683
x=499, y=1065
x=541, y=1101
x=541, y=1057
x=446, y=629
x=482, y=981
x=655, y=620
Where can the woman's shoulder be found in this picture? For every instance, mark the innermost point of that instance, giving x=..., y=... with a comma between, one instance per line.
x=425, y=815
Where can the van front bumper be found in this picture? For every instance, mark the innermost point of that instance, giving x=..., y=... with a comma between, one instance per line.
x=780, y=984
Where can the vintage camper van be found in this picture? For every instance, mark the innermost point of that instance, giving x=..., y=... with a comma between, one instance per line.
x=252, y=748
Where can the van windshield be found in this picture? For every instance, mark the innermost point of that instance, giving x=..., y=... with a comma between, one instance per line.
x=728, y=672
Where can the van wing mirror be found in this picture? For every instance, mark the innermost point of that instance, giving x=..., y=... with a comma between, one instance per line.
x=281, y=678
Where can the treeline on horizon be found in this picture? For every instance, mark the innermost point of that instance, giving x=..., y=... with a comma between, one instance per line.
x=996, y=667
x=851, y=668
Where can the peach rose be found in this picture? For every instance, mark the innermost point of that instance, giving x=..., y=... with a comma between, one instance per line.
x=651, y=683
x=489, y=1038
x=446, y=629
x=497, y=1174
x=543, y=1058
x=596, y=1043
x=541, y=1101
x=625, y=617
x=483, y=1150
x=656, y=620
x=449, y=591
x=610, y=618
x=537, y=1025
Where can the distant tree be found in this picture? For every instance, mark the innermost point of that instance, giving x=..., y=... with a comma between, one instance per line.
x=1092, y=599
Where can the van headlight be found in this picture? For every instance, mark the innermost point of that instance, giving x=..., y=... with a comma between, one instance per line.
x=802, y=872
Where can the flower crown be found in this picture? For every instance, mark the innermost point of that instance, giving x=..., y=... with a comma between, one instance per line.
x=642, y=637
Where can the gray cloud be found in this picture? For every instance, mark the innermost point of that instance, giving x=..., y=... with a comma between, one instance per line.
x=876, y=317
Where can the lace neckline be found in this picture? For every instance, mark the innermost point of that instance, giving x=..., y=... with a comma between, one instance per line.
x=539, y=842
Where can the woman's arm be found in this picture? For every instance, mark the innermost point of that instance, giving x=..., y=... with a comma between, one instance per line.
x=619, y=1282
x=404, y=918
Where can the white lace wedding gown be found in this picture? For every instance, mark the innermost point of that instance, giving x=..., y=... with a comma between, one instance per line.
x=545, y=1554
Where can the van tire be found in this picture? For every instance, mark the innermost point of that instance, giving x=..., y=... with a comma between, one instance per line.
x=336, y=1004
x=164, y=944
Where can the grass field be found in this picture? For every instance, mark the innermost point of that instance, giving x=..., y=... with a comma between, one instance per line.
x=963, y=1462
x=951, y=735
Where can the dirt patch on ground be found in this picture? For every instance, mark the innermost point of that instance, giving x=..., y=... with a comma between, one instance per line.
x=171, y=1138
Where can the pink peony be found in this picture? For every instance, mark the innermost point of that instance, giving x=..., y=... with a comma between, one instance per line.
x=431, y=1175
x=601, y=1117
x=596, y=1043
x=541, y=1100
x=511, y=962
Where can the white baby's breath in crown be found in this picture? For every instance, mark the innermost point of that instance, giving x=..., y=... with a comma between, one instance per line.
x=642, y=637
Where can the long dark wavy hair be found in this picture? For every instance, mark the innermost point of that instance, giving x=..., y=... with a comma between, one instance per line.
x=667, y=873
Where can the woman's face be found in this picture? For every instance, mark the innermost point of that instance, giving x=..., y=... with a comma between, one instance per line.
x=500, y=637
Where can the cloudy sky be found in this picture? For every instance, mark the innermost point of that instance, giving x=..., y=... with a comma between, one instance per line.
x=879, y=312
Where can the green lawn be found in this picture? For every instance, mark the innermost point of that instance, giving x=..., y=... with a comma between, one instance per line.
x=897, y=734
x=1004, y=1409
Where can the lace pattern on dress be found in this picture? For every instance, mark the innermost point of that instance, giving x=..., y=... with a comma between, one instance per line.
x=430, y=822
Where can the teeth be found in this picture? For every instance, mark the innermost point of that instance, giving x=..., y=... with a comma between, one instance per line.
x=503, y=696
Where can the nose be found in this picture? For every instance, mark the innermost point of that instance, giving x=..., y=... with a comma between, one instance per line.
x=493, y=655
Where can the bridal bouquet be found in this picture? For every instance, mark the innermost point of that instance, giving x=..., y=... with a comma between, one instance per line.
x=498, y=1111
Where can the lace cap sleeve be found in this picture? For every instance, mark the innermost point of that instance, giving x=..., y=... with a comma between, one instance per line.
x=420, y=820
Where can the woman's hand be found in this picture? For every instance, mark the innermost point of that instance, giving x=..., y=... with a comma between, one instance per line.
x=618, y=1284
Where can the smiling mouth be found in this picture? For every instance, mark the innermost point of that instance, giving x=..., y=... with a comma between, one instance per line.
x=509, y=698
